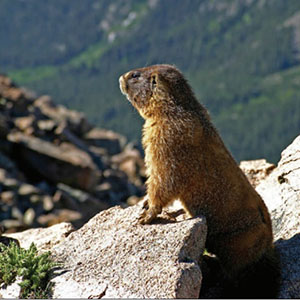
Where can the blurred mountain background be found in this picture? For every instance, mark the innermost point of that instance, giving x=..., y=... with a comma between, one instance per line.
x=242, y=58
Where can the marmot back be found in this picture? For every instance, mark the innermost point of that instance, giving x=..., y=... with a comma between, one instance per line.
x=187, y=160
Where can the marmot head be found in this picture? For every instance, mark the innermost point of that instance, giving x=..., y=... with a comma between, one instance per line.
x=157, y=90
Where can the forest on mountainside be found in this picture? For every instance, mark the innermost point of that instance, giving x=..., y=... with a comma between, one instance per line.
x=241, y=58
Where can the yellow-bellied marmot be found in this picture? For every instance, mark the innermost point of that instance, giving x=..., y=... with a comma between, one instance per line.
x=187, y=160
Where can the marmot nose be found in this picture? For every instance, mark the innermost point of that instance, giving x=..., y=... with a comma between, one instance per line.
x=123, y=85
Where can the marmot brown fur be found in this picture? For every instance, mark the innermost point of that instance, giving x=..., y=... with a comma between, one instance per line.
x=187, y=160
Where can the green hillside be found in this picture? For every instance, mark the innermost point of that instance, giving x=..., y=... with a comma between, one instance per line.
x=241, y=58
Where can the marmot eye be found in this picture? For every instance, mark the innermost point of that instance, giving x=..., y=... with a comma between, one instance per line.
x=153, y=81
x=135, y=75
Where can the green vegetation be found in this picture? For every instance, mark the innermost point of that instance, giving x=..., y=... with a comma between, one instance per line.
x=241, y=58
x=34, y=270
x=33, y=74
x=88, y=57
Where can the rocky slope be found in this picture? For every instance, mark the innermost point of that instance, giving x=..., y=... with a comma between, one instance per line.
x=55, y=166
x=113, y=256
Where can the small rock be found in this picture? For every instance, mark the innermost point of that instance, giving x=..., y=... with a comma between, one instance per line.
x=27, y=189
x=47, y=125
x=103, y=187
x=11, y=183
x=107, y=139
x=29, y=216
x=2, y=175
x=47, y=203
x=60, y=215
x=16, y=213
x=75, y=121
x=7, y=197
x=11, y=225
x=24, y=122
x=44, y=100
x=5, y=81
x=256, y=170
x=132, y=200
x=34, y=199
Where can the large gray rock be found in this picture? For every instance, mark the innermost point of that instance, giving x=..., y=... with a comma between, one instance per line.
x=281, y=193
x=113, y=256
x=64, y=163
x=111, y=141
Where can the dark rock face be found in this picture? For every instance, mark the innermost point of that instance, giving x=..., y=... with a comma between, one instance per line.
x=46, y=146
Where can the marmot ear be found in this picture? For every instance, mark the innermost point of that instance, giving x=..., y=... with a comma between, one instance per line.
x=154, y=80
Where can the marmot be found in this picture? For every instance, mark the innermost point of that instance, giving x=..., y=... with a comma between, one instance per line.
x=187, y=160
